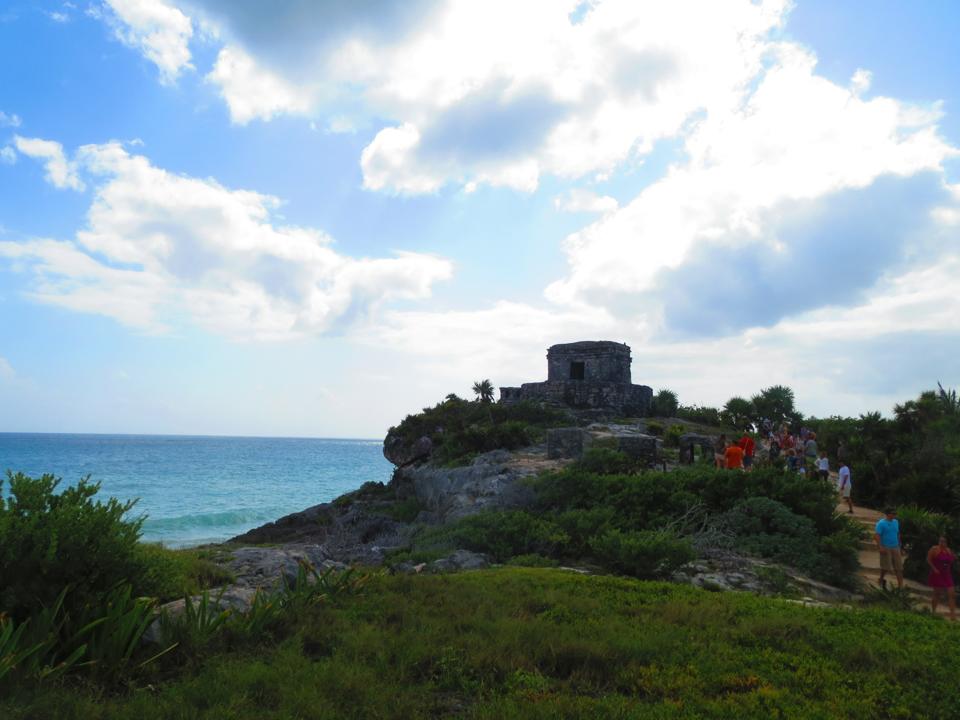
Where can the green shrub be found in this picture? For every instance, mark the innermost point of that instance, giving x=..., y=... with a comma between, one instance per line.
x=671, y=438
x=501, y=534
x=654, y=428
x=50, y=540
x=460, y=429
x=605, y=461
x=768, y=528
x=644, y=554
x=920, y=530
x=170, y=574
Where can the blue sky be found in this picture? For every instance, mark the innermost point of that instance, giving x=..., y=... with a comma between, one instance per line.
x=301, y=218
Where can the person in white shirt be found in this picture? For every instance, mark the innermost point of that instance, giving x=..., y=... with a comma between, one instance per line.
x=823, y=466
x=845, y=486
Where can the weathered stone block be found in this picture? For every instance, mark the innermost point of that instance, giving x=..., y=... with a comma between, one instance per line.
x=567, y=443
x=639, y=447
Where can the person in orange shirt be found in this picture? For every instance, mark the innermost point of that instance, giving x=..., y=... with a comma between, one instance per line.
x=734, y=457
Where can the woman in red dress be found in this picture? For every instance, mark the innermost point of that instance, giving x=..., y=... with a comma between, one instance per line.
x=941, y=559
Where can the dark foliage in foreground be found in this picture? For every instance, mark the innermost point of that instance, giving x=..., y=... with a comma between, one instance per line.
x=524, y=643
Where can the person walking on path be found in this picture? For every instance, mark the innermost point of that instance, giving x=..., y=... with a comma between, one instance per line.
x=889, y=544
x=734, y=457
x=941, y=559
x=845, y=486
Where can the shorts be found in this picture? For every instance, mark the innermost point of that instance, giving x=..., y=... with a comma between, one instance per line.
x=891, y=560
x=824, y=474
x=845, y=492
x=747, y=460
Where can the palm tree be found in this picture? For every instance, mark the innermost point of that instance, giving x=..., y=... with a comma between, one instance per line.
x=483, y=389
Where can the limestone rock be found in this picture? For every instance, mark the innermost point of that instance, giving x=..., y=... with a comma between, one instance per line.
x=402, y=453
x=489, y=482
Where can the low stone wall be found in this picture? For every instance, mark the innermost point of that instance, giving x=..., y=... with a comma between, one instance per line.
x=627, y=400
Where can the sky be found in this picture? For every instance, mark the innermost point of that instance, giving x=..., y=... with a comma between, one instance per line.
x=305, y=218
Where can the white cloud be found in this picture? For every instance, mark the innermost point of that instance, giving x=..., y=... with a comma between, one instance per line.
x=6, y=369
x=156, y=28
x=61, y=172
x=59, y=17
x=797, y=137
x=252, y=92
x=579, y=200
x=9, y=120
x=507, y=337
x=478, y=100
x=860, y=82
x=159, y=247
x=8, y=156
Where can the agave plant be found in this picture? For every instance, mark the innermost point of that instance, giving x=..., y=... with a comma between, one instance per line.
x=118, y=626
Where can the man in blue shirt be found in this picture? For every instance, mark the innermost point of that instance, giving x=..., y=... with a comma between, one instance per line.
x=888, y=543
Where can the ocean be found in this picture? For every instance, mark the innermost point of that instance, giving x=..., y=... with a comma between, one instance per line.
x=195, y=490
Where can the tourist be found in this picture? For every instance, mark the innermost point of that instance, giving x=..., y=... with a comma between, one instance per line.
x=823, y=466
x=789, y=443
x=791, y=459
x=845, y=486
x=941, y=559
x=810, y=450
x=748, y=445
x=719, y=448
x=888, y=541
x=774, y=452
x=733, y=456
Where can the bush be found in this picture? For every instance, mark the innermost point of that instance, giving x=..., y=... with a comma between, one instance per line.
x=49, y=541
x=460, y=429
x=644, y=554
x=501, y=534
x=170, y=574
x=605, y=461
x=654, y=428
x=769, y=528
x=920, y=530
x=671, y=438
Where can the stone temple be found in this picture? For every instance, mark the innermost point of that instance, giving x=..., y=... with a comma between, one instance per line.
x=588, y=375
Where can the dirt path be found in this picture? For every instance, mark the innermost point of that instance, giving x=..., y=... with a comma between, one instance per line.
x=870, y=560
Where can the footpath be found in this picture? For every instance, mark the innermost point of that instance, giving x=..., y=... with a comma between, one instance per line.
x=870, y=561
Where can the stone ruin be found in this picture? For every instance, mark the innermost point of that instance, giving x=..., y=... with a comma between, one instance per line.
x=588, y=375
x=689, y=441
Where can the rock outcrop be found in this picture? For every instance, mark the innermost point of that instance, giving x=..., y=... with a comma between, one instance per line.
x=492, y=481
x=402, y=452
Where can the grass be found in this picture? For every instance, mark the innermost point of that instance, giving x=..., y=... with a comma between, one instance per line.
x=543, y=643
x=171, y=574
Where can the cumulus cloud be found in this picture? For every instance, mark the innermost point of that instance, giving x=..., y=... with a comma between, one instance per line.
x=61, y=172
x=11, y=120
x=8, y=156
x=580, y=200
x=564, y=87
x=159, y=246
x=758, y=190
x=253, y=92
x=160, y=31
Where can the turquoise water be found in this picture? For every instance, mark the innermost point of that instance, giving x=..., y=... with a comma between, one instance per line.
x=202, y=489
